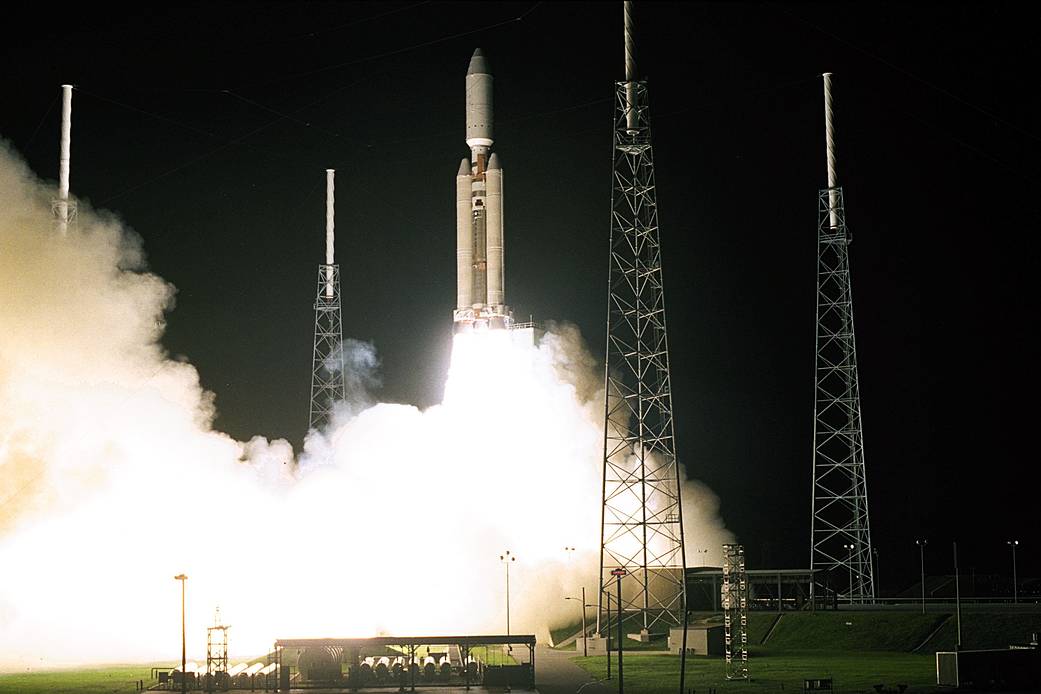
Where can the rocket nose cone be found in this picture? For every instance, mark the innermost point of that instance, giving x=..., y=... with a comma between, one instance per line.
x=478, y=64
x=464, y=168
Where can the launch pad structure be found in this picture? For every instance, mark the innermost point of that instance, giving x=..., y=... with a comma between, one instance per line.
x=641, y=521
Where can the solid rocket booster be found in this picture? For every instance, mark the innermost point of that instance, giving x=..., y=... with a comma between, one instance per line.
x=480, y=296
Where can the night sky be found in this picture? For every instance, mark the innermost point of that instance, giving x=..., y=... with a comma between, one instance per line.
x=207, y=129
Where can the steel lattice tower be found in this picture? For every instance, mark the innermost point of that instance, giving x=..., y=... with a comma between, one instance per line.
x=642, y=527
x=840, y=539
x=735, y=611
x=327, y=377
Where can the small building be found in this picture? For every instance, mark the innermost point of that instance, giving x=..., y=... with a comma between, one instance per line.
x=702, y=639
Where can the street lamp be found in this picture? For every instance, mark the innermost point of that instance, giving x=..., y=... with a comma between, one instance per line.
x=569, y=550
x=921, y=553
x=507, y=559
x=585, y=649
x=1015, y=583
x=850, y=547
x=184, y=653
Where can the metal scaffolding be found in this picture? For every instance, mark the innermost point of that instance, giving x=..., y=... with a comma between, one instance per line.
x=642, y=527
x=840, y=538
x=327, y=377
x=734, y=595
x=217, y=648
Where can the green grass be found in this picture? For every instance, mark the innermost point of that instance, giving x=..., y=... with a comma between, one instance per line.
x=775, y=672
x=494, y=655
x=112, y=679
x=983, y=630
x=859, y=631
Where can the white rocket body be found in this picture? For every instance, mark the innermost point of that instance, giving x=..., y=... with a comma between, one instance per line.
x=480, y=267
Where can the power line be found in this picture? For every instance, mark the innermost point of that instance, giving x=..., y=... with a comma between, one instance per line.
x=908, y=73
x=40, y=124
x=406, y=49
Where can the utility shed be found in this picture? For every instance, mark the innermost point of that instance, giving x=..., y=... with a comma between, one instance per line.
x=702, y=639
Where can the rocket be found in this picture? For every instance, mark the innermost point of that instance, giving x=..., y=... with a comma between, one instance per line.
x=480, y=297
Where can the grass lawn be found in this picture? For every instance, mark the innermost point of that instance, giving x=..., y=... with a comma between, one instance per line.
x=775, y=672
x=493, y=655
x=112, y=679
x=853, y=631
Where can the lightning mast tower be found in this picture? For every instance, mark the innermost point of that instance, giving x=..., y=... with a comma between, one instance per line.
x=642, y=526
x=327, y=378
x=840, y=536
x=64, y=210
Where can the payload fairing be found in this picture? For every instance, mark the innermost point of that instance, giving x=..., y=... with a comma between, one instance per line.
x=480, y=296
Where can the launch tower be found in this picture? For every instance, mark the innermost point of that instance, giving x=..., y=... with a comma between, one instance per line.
x=840, y=534
x=480, y=270
x=327, y=378
x=642, y=526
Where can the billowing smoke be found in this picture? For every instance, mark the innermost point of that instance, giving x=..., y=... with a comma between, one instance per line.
x=112, y=479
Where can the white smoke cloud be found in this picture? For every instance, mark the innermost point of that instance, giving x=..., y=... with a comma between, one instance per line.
x=112, y=479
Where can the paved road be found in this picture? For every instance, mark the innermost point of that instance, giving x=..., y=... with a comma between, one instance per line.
x=556, y=674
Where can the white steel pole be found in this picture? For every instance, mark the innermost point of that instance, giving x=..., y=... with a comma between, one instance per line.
x=833, y=180
x=630, y=69
x=64, y=158
x=330, y=230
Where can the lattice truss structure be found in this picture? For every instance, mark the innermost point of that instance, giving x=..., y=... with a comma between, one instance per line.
x=841, y=533
x=327, y=376
x=642, y=528
x=216, y=649
x=65, y=212
x=734, y=594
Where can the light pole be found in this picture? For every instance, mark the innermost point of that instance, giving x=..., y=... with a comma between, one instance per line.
x=569, y=550
x=507, y=559
x=878, y=582
x=184, y=653
x=585, y=649
x=1015, y=583
x=957, y=594
x=850, y=547
x=921, y=553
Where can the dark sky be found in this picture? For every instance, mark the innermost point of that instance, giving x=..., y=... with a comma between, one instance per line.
x=207, y=128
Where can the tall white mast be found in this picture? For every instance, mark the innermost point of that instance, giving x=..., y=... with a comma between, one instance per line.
x=62, y=206
x=829, y=133
x=330, y=229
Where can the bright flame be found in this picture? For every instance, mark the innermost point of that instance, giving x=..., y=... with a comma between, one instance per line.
x=112, y=480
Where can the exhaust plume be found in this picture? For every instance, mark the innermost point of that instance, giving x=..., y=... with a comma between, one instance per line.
x=113, y=480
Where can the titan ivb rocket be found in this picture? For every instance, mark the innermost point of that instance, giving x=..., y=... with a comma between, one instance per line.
x=480, y=299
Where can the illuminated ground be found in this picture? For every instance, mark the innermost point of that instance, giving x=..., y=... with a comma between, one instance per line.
x=851, y=672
